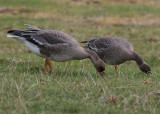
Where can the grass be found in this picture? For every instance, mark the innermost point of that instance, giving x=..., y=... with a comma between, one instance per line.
x=75, y=87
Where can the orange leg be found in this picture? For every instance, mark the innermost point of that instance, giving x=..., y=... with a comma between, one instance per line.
x=48, y=62
x=116, y=68
x=45, y=68
x=50, y=65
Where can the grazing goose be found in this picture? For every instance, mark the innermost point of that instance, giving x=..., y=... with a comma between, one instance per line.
x=55, y=45
x=114, y=51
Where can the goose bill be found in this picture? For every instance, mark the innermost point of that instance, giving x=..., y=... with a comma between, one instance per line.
x=102, y=74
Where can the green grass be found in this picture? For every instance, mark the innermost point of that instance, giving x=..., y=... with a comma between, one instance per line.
x=75, y=87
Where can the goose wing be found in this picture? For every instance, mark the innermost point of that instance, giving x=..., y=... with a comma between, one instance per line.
x=107, y=43
x=125, y=43
x=41, y=37
x=98, y=44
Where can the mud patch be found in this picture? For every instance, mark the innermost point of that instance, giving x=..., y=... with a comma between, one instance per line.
x=143, y=21
x=88, y=2
x=6, y=10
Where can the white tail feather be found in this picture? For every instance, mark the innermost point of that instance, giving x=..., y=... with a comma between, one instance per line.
x=16, y=37
x=11, y=36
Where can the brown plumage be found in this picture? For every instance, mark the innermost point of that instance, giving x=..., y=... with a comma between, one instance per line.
x=115, y=51
x=55, y=45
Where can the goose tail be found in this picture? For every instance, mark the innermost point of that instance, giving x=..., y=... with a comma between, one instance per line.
x=16, y=34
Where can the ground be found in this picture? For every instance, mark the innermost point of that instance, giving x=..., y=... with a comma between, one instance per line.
x=75, y=87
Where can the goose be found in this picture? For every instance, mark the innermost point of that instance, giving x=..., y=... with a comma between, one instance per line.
x=115, y=51
x=56, y=46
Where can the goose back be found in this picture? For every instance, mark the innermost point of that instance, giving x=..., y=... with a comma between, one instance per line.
x=112, y=50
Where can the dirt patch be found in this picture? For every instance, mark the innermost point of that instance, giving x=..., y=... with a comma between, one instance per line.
x=88, y=2
x=146, y=2
x=115, y=21
x=112, y=99
x=6, y=10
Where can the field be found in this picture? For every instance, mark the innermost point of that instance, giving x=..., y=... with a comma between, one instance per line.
x=76, y=87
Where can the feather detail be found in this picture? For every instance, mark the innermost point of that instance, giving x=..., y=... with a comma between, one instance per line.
x=31, y=27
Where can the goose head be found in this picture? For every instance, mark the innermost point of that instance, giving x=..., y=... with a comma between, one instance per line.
x=97, y=62
x=100, y=67
x=145, y=68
